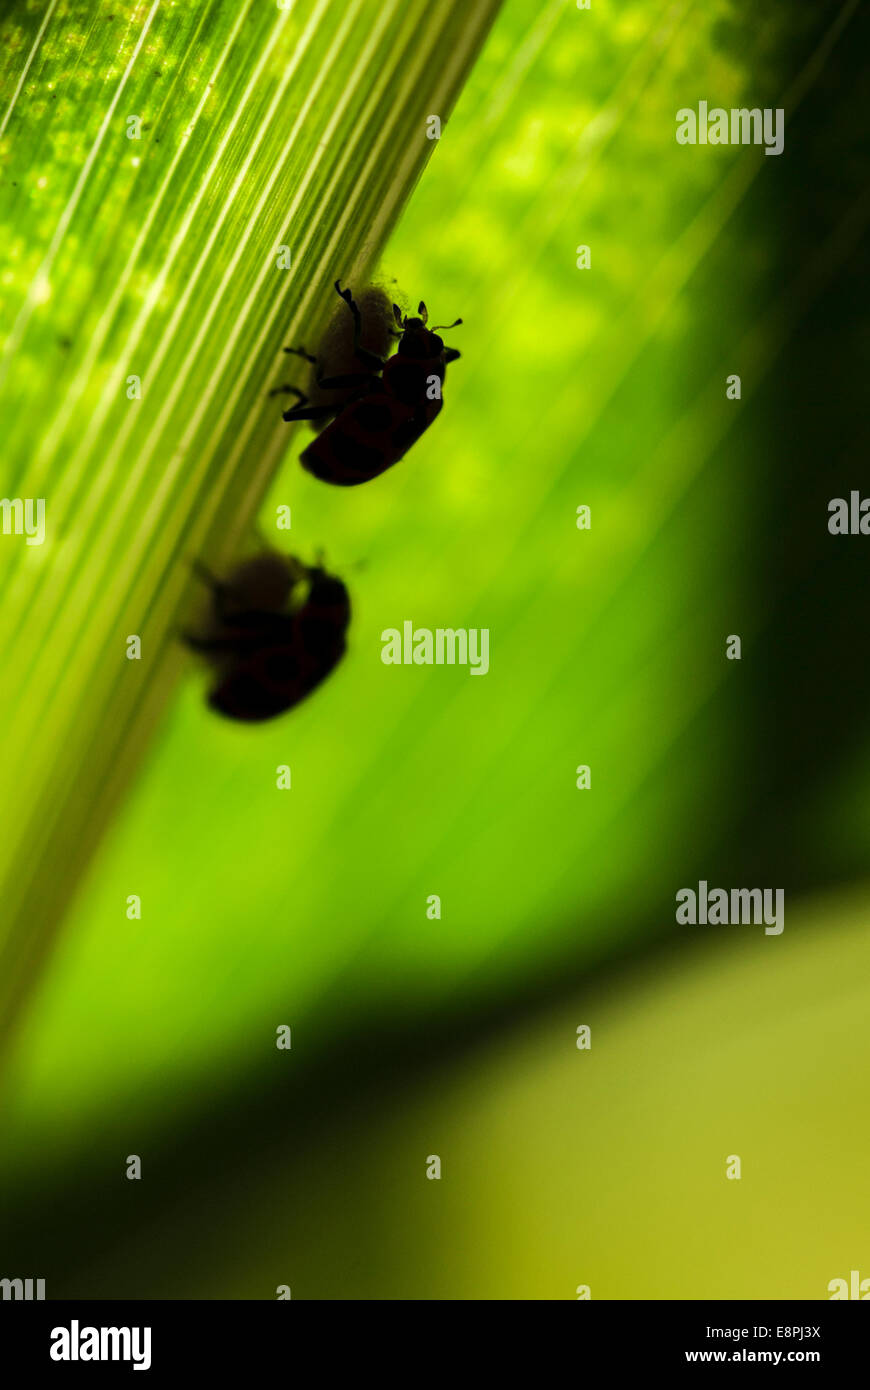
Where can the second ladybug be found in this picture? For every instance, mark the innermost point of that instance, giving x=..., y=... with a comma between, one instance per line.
x=275, y=630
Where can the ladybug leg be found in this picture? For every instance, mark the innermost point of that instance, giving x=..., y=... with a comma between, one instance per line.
x=308, y=412
x=300, y=352
x=302, y=411
x=289, y=391
x=371, y=359
x=450, y=355
x=348, y=299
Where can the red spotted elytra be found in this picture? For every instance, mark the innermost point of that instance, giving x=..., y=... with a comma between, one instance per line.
x=275, y=630
x=387, y=402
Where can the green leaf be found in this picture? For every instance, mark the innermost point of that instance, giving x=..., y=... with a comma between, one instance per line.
x=603, y=387
x=155, y=159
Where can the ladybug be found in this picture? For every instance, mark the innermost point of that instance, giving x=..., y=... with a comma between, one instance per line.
x=275, y=631
x=388, y=406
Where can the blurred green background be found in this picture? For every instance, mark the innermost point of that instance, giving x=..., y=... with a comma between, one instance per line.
x=307, y=907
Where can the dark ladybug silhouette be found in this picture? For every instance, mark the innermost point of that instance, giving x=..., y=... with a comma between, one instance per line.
x=275, y=630
x=388, y=404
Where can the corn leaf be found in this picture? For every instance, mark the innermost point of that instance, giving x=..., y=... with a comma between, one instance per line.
x=308, y=907
x=181, y=184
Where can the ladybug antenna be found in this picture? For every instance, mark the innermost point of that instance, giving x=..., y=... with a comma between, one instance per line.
x=445, y=327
